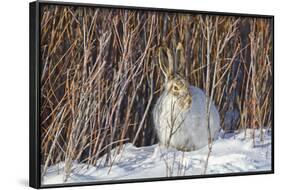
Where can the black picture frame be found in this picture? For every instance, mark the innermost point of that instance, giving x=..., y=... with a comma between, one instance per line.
x=34, y=94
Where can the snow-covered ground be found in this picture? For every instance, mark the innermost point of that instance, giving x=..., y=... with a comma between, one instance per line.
x=230, y=153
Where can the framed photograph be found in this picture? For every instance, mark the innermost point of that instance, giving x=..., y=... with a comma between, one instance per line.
x=128, y=94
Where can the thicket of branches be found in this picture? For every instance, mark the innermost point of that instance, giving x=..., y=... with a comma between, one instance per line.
x=100, y=77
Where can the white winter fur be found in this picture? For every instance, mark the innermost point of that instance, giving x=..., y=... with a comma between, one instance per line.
x=185, y=129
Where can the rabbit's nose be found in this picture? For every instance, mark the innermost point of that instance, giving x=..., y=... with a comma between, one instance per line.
x=186, y=93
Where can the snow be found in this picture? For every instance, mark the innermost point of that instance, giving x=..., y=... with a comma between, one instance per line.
x=231, y=153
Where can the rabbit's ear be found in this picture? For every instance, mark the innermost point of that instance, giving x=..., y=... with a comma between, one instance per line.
x=180, y=60
x=166, y=62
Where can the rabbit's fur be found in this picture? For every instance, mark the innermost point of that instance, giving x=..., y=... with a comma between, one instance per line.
x=180, y=113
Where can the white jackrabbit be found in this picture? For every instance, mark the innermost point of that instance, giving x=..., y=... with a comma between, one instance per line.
x=180, y=113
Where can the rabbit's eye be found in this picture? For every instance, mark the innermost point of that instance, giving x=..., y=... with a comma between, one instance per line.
x=175, y=88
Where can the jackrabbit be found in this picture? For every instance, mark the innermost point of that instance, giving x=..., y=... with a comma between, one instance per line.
x=180, y=113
